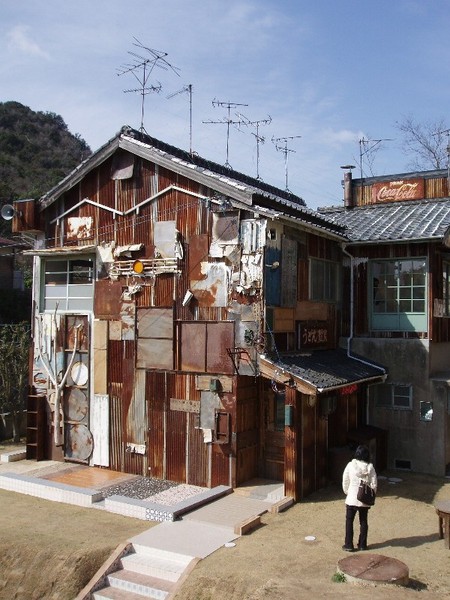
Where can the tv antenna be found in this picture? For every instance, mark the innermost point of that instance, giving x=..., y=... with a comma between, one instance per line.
x=188, y=89
x=365, y=149
x=259, y=138
x=285, y=150
x=227, y=121
x=141, y=68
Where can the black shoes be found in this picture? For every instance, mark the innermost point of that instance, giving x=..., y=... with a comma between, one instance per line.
x=348, y=548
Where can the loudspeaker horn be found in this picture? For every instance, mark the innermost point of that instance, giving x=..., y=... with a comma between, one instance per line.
x=7, y=212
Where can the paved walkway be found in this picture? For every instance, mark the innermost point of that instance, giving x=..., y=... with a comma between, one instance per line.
x=205, y=521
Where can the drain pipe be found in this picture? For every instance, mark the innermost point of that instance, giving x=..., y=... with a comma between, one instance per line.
x=352, y=309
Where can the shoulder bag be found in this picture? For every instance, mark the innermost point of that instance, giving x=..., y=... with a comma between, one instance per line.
x=366, y=494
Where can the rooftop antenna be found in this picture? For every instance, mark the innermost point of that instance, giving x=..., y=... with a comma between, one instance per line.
x=188, y=89
x=364, y=149
x=259, y=138
x=285, y=150
x=141, y=68
x=227, y=121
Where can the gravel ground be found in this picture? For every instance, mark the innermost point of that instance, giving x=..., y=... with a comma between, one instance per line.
x=157, y=490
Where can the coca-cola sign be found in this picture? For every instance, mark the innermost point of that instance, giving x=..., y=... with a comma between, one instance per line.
x=395, y=191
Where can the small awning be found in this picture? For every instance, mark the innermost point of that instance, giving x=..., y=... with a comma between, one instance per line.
x=62, y=251
x=320, y=371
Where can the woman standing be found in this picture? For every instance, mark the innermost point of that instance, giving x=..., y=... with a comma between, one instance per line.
x=358, y=468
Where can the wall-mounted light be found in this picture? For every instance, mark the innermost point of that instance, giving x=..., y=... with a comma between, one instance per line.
x=138, y=267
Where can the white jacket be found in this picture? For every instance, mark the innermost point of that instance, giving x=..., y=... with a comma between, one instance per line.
x=353, y=473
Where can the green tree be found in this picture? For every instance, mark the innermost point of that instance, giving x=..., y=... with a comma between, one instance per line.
x=15, y=342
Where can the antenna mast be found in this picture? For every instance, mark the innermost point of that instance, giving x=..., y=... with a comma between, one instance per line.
x=141, y=68
x=285, y=150
x=259, y=138
x=188, y=89
x=227, y=121
x=363, y=143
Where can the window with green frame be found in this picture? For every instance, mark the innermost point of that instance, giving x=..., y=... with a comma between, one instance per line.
x=398, y=294
x=68, y=284
x=323, y=280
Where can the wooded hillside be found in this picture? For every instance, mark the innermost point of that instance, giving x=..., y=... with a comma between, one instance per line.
x=36, y=151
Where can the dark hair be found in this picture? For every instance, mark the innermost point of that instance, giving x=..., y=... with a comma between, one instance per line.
x=362, y=453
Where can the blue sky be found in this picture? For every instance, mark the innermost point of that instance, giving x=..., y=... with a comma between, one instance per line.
x=332, y=72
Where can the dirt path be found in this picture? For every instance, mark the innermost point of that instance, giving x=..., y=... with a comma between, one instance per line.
x=277, y=562
x=50, y=550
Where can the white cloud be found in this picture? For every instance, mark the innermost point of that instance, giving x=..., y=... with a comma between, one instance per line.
x=19, y=40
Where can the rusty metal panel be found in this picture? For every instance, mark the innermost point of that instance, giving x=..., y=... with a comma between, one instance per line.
x=155, y=395
x=221, y=466
x=164, y=289
x=155, y=323
x=176, y=446
x=198, y=253
x=212, y=289
x=288, y=272
x=154, y=353
x=220, y=336
x=197, y=469
x=107, y=299
x=137, y=415
x=116, y=446
x=193, y=346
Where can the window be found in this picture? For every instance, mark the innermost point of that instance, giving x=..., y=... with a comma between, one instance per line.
x=323, y=280
x=426, y=411
x=398, y=299
x=393, y=395
x=446, y=287
x=68, y=284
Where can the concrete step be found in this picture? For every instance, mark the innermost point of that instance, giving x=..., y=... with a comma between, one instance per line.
x=110, y=593
x=13, y=456
x=146, y=586
x=160, y=554
x=155, y=565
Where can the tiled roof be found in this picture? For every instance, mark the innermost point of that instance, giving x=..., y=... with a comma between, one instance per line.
x=326, y=369
x=395, y=221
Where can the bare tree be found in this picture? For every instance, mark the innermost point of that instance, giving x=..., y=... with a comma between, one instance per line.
x=425, y=142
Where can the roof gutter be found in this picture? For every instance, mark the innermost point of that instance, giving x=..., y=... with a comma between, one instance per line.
x=352, y=310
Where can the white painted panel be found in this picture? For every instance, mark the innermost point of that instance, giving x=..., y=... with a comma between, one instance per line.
x=100, y=429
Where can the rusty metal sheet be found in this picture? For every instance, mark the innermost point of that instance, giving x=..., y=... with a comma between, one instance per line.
x=220, y=337
x=225, y=234
x=79, y=442
x=191, y=406
x=213, y=289
x=154, y=353
x=107, y=299
x=79, y=228
x=77, y=405
x=193, y=346
x=155, y=323
x=198, y=252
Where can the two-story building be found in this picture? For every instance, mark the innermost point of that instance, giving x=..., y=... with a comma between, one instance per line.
x=397, y=304
x=186, y=323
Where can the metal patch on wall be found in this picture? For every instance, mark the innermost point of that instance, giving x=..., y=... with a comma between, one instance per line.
x=79, y=228
x=191, y=406
x=77, y=405
x=79, y=442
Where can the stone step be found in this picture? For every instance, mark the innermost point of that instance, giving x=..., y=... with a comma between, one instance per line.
x=158, y=566
x=149, y=587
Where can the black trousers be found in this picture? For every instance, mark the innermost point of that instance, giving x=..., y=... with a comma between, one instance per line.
x=363, y=525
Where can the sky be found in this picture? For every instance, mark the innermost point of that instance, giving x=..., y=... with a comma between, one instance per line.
x=320, y=81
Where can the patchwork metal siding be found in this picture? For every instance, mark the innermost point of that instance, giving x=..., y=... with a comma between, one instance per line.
x=156, y=402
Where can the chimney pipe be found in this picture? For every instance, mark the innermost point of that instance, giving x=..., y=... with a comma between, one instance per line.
x=348, y=191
